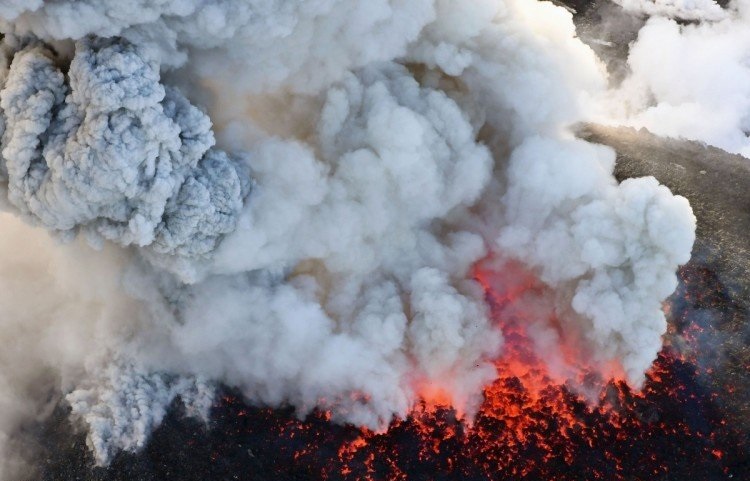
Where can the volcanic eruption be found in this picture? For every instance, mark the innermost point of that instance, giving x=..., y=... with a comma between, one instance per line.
x=363, y=239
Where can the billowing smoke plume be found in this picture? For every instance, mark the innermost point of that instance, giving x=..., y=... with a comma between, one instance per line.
x=690, y=80
x=372, y=153
x=620, y=243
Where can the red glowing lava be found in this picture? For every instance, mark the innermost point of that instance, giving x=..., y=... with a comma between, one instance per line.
x=536, y=425
x=532, y=425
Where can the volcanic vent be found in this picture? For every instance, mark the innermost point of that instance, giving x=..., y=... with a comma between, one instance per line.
x=367, y=240
x=530, y=426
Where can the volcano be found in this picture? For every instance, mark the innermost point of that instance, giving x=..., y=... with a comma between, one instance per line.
x=374, y=240
x=690, y=419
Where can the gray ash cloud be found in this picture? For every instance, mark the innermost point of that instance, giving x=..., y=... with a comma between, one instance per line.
x=107, y=150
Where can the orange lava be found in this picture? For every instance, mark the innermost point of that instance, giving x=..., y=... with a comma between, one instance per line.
x=533, y=425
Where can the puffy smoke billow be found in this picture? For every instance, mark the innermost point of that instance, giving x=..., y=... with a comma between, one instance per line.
x=690, y=80
x=123, y=406
x=620, y=242
x=108, y=150
x=373, y=154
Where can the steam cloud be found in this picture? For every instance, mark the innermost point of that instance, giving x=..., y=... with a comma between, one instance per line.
x=370, y=154
x=690, y=80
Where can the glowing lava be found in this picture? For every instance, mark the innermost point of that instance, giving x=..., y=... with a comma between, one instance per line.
x=530, y=427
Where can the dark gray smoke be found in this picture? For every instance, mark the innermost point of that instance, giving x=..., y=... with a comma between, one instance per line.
x=107, y=150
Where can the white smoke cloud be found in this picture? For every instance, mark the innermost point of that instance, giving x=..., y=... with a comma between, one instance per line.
x=366, y=220
x=620, y=243
x=379, y=150
x=681, y=9
x=690, y=80
x=302, y=45
x=123, y=406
